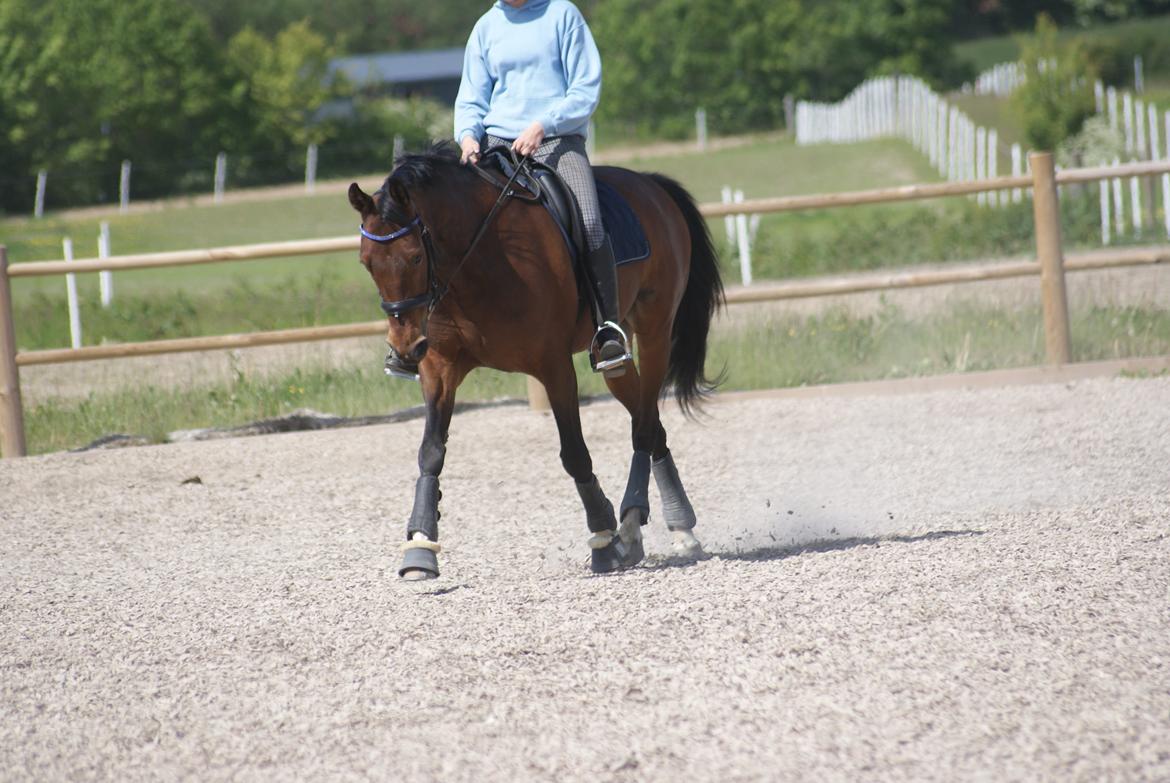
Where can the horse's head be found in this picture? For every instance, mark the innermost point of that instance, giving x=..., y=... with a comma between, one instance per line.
x=394, y=251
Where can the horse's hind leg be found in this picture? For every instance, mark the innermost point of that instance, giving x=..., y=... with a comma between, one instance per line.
x=608, y=552
x=639, y=392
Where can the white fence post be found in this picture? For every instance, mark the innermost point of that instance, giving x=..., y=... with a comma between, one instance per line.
x=728, y=220
x=1135, y=204
x=311, y=168
x=745, y=249
x=220, y=176
x=105, y=277
x=1127, y=121
x=1118, y=203
x=399, y=147
x=1105, y=237
x=1139, y=75
x=124, y=188
x=943, y=152
x=39, y=203
x=1139, y=116
x=1099, y=96
x=995, y=196
x=981, y=161
x=953, y=144
x=701, y=128
x=1166, y=177
x=71, y=295
x=591, y=140
x=1017, y=171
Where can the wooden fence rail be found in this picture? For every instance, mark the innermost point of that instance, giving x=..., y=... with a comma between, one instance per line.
x=1051, y=267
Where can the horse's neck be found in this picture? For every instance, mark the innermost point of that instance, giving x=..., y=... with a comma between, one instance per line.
x=459, y=212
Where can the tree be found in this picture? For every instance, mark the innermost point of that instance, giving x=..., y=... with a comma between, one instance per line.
x=738, y=58
x=351, y=25
x=147, y=87
x=1057, y=95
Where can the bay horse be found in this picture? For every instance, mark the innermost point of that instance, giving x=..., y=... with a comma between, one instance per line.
x=471, y=278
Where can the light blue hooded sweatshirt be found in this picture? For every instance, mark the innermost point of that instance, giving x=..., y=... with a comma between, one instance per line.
x=521, y=65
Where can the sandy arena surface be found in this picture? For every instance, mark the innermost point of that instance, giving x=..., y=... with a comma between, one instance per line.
x=951, y=586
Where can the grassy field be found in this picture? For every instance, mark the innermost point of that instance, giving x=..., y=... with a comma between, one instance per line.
x=983, y=53
x=782, y=351
x=252, y=296
x=284, y=293
x=218, y=298
x=771, y=168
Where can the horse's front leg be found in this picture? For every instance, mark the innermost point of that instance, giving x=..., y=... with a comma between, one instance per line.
x=420, y=552
x=609, y=552
x=639, y=391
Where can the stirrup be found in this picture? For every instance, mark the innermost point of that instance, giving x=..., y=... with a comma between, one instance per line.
x=613, y=362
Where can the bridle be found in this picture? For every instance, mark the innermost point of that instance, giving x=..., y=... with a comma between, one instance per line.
x=436, y=289
x=430, y=297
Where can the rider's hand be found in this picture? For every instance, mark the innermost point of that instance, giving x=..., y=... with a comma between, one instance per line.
x=528, y=141
x=470, y=149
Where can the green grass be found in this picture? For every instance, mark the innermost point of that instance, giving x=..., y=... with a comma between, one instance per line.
x=782, y=350
x=781, y=168
x=185, y=228
x=991, y=111
x=312, y=298
x=984, y=53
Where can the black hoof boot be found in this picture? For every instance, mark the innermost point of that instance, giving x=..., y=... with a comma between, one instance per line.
x=631, y=545
x=617, y=555
x=609, y=558
x=419, y=560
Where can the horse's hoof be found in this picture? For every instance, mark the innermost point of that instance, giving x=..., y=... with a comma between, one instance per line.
x=419, y=564
x=685, y=544
x=607, y=559
x=630, y=535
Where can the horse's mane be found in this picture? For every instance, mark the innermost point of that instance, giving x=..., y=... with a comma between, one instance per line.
x=420, y=170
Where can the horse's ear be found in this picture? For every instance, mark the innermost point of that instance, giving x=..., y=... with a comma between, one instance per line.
x=398, y=193
x=360, y=201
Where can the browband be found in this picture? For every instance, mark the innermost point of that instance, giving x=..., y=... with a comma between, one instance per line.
x=392, y=235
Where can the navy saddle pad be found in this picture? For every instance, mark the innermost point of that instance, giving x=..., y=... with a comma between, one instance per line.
x=622, y=225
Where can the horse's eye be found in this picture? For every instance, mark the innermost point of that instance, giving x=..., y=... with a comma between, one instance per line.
x=417, y=259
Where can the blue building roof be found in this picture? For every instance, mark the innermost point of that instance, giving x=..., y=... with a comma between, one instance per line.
x=400, y=67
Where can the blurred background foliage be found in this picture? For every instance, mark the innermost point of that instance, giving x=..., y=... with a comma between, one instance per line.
x=86, y=84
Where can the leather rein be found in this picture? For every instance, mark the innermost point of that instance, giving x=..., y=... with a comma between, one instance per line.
x=436, y=289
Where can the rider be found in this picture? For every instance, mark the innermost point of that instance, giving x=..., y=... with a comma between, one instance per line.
x=531, y=79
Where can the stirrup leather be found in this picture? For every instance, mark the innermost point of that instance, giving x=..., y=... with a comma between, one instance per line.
x=596, y=362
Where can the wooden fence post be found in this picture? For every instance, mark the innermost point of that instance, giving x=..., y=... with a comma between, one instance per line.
x=11, y=412
x=1046, y=213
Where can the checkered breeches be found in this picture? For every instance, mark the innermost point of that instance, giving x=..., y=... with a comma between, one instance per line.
x=567, y=155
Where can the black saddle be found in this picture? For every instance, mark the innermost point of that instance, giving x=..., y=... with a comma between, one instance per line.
x=542, y=185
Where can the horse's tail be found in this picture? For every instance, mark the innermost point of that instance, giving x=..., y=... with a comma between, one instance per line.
x=692, y=320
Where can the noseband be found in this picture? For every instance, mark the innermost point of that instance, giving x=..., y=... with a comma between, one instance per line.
x=435, y=290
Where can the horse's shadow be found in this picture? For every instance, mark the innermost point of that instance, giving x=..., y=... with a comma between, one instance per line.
x=769, y=553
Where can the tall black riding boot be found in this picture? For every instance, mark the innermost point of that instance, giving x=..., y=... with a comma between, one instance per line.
x=611, y=348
